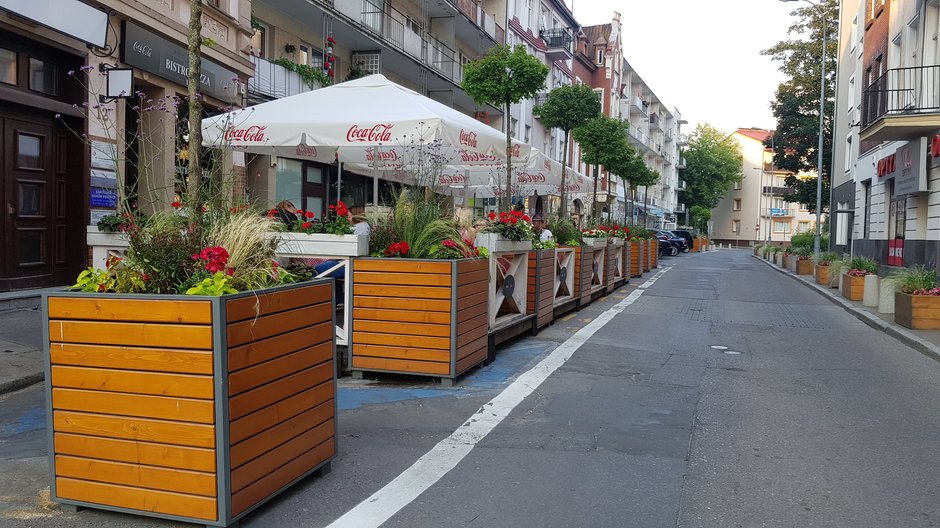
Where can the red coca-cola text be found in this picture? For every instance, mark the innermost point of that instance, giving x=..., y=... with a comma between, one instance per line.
x=378, y=132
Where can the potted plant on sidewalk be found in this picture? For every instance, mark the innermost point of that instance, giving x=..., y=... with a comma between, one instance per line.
x=804, y=262
x=853, y=280
x=917, y=299
x=822, y=266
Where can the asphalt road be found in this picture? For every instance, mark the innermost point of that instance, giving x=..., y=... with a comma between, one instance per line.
x=806, y=417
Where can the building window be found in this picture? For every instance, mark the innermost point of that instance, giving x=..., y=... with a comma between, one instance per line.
x=736, y=204
x=781, y=226
x=737, y=185
x=528, y=134
x=802, y=226
x=259, y=40
x=7, y=66
x=43, y=77
x=736, y=227
x=599, y=53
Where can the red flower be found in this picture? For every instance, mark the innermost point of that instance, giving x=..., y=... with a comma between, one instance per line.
x=233, y=210
x=492, y=216
x=449, y=243
x=341, y=208
x=176, y=205
x=309, y=214
x=145, y=277
x=300, y=211
x=306, y=225
x=230, y=271
x=526, y=218
x=330, y=39
x=271, y=213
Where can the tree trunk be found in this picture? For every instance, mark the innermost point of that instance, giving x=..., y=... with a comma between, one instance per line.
x=564, y=168
x=625, y=208
x=594, y=199
x=194, y=176
x=507, y=200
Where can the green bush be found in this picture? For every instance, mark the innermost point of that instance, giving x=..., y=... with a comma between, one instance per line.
x=863, y=264
x=564, y=231
x=826, y=257
x=915, y=279
x=807, y=239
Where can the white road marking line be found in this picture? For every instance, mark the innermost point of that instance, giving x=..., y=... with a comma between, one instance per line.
x=443, y=457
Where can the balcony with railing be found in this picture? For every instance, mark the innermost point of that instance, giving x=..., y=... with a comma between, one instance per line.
x=656, y=121
x=668, y=136
x=557, y=43
x=681, y=163
x=273, y=81
x=775, y=212
x=769, y=190
x=683, y=140
x=487, y=22
x=638, y=106
x=902, y=103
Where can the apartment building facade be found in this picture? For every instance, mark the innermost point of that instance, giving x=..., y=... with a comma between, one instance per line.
x=886, y=159
x=63, y=164
x=756, y=210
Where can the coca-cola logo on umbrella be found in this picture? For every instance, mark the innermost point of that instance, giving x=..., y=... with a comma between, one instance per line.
x=528, y=177
x=451, y=179
x=379, y=132
x=252, y=134
x=468, y=156
x=306, y=151
x=382, y=155
x=468, y=138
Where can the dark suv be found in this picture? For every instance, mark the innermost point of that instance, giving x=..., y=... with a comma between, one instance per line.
x=687, y=235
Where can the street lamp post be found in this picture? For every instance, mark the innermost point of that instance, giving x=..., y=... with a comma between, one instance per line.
x=822, y=117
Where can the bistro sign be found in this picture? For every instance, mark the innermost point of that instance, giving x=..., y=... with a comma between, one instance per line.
x=907, y=166
x=168, y=59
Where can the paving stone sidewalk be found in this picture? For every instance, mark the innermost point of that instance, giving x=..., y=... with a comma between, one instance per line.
x=20, y=346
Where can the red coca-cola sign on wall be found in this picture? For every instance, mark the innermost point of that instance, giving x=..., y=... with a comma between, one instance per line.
x=381, y=132
x=251, y=134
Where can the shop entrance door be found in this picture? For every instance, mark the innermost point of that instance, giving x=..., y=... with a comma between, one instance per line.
x=31, y=247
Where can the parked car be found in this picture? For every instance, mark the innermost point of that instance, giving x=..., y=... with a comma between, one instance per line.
x=684, y=244
x=667, y=246
x=687, y=235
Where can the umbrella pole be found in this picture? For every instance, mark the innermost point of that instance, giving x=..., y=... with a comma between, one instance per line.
x=339, y=177
x=375, y=178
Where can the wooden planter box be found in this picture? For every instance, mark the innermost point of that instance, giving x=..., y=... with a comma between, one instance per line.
x=636, y=258
x=597, y=243
x=918, y=312
x=584, y=273
x=853, y=288
x=627, y=255
x=804, y=266
x=822, y=275
x=566, y=277
x=696, y=245
x=655, y=254
x=322, y=245
x=785, y=261
x=418, y=316
x=541, y=291
x=188, y=408
x=648, y=250
x=614, y=268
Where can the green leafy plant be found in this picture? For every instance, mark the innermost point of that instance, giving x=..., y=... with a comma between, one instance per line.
x=917, y=280
x=825, y=258
x=837, y=267
x=547, y=244
x=565, y=231
x=863, y=264
x=94, y=280
x=802, y=251
x=310, y=75
x=217, y=284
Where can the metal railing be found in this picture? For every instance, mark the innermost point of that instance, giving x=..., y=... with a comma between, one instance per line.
x=777, y=191
x=402, y=32
x=775, y=212
x=557, y=38
x=275, y=81
x=902, y=91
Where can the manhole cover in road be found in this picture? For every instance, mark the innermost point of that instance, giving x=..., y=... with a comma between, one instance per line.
x=732, y=352
x=719, y=347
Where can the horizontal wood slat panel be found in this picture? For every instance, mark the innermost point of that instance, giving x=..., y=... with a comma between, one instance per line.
x=467, y=266
x=419, y=329
x=138, y=499
x=368, y=338
x=256, y=492
x=113, y=380
x=391, y=352
x=409, y=292
x=134, y=405
x=472, y=288
x=472, y=347
x=431, y=368
x=469, y=311
x=470, y=361
x=259, y=467
x=271, y=415
x=132, y=358
x=266, y=440
x=402, y=279
x=250, y=401
x=402, y=266
x=131, y=310
x=131, y=334
x=269, y=371
x=260, y=305
x=278, y=323
x=262, y=350
x=178, y=480
x=131, y=451
x=430, y=305
x=481, y=275
x=404, y=316
x=471, y=329
x=161, y=431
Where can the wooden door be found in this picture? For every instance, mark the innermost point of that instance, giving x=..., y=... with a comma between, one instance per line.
x=29, y=205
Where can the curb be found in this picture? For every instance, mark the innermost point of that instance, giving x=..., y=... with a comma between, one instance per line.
x=923, y=346
x=21, y=382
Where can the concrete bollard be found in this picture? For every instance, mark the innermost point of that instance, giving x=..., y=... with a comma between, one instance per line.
x=886, y=298
x=791, y=263
x=872, y=291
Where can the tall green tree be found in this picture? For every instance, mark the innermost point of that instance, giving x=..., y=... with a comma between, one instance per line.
x=634, y=173
x=603, y=141
x=502, y=77
x=567, y=108
x=713, y=164
x=796, y=104
x=700, y=217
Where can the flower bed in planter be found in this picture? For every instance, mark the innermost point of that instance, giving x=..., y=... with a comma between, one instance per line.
x=804, y=266
x=191, y=408
x=636, y=258
x=541, y=288
x=853, y=287
x=822, y=274
x=918, y=312
x=419, y=316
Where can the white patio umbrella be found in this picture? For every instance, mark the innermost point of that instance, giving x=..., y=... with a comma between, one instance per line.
x=371, y=112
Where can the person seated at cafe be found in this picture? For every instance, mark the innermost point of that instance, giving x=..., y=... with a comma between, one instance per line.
x=545, y=234
x=286, y=212
x=357, y=218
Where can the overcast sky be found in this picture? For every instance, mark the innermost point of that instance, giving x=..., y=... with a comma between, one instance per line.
x=702, y=57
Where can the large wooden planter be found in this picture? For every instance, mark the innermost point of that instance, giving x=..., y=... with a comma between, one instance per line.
x=636, y=258
x=696, y=245
x=189, y=408
x=654, y=253
x=627, y=256
x=822, y=274
x=584, y=274
x=565, y=296
x=541, y=291
x=853, y=288
x=785, y=260
x=649, y=249
x=614, y=266
x=416, y=316
x=804, y=266
x=918, y=312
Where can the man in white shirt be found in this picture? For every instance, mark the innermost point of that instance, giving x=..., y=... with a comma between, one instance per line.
x=544, y=233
